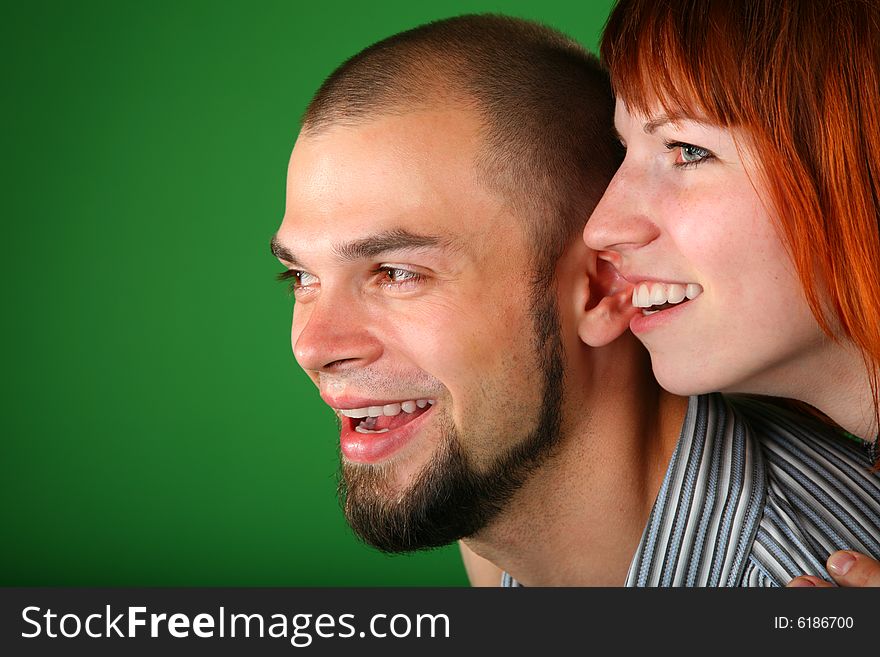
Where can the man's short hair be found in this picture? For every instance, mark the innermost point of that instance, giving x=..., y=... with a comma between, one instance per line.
x=546, y=104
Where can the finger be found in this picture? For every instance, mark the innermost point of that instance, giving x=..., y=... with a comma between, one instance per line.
x=805, y=581
x=850, y=568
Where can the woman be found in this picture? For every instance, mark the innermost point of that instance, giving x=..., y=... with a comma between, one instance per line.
x=745, y=213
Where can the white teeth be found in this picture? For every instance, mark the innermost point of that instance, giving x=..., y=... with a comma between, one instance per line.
x=360, y=429
x=388, y=410
x=658, y=295
x=355, y=412
x=644, y=296
x=647, y=295
x=676, y=293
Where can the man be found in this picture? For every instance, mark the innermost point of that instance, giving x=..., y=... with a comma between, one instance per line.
x=444, y=304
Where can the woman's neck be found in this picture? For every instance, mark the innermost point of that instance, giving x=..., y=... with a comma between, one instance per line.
x=841, y=388
x=833, y=379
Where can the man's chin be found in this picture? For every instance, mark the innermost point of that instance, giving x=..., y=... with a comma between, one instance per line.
x=388, y=482
x=395, y=512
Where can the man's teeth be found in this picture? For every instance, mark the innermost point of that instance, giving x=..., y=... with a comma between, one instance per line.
x=389, y=410
x=647, y=295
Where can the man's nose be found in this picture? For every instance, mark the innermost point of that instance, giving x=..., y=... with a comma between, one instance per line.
x=623, y=218
x=329, y=335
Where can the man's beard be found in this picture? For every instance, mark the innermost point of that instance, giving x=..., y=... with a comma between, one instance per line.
x=449, y=499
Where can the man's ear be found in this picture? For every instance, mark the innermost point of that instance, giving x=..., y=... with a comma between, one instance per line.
x=609, y=307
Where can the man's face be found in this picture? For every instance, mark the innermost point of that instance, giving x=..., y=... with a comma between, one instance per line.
x=414, y=318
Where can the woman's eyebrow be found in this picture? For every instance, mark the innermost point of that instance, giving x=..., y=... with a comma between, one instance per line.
x=650, y=127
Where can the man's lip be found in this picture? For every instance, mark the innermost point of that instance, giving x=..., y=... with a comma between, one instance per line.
x=373, y=448
x=360, y=402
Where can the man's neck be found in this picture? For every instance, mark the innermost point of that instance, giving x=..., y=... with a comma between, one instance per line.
x=579, y=518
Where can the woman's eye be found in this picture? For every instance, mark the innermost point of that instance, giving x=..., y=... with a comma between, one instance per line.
x=693, y=153
x=688, y=154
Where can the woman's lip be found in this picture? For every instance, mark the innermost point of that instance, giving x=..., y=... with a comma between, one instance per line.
x=635, y=278
x=371, y=448
x=643, y=323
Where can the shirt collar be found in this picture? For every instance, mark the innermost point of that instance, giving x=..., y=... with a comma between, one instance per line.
x=704, y=520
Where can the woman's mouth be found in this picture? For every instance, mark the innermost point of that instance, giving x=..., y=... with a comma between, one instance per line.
x=652, y=297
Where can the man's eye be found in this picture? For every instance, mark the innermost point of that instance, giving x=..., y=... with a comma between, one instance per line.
x=398, y=277
x=688, y=154
x=298, y=279
x=306, y=279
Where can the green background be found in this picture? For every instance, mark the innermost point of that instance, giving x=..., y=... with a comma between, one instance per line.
x=155, y=427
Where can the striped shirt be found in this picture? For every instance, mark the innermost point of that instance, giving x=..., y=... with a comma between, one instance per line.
x=755, y=495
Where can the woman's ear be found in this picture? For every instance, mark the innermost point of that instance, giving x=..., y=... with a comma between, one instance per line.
x=609, y=307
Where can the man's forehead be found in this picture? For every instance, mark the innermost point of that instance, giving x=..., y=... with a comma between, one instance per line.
x=421, y=149
x=415, y=173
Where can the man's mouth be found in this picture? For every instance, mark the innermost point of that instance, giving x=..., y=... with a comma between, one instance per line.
x=652, y=297
x=385, y=417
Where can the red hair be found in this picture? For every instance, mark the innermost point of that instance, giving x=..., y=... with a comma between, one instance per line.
x=802, y=80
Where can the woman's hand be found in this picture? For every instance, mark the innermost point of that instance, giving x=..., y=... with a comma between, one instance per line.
x=848, y=569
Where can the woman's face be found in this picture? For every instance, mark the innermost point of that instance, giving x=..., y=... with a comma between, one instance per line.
x=720, y=306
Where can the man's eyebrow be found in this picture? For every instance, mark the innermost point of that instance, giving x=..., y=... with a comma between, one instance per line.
x=393, y=240
x=375, y=245
x=281, y=252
